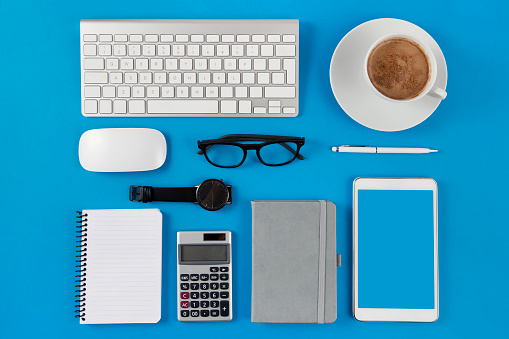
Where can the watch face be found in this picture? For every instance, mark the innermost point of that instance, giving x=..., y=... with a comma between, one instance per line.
x=212, y=194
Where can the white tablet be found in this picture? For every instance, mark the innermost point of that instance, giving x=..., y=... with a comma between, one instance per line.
x=395, y=249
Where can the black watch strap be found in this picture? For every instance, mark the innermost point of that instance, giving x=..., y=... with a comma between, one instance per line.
x=173, y=194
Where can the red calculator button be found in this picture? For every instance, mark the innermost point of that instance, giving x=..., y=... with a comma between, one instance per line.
x=184, y=295
x=184, y=304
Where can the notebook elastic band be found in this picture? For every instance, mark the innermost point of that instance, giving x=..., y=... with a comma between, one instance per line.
x=321, y=262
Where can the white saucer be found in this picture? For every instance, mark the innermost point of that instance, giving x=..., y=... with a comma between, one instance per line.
x=358, y=99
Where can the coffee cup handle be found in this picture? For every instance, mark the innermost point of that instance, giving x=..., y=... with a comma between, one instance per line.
x=438, y=92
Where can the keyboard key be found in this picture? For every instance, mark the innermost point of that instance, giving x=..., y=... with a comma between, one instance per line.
x=148, y=50
x=175, y=78
x=156, y=64
x=195, y=286
x=223, y=285
x=214, y=313
x=227, y=38
x=212, y=38
x=289, y=38
x=171, y=64
x=151, y=38
x=223, y=50
x=255, y=92
x=181, y=38
x=214, y=295
x=116, y=78
x=226, y=92
x=200, y=64
x=274, y=38
x=197, y=38
x=194, y=295
x=136, y=38
x=204, y=304
x=280, y=92
x=184, y=295
x=243, y=38
x=223, y=269
x=289, y=110
x=252, y=50
x=225, y=295
x=91, y=106
x=237, y=50
x=274, y=109
x=245, y=106
x=141, y=64
x=138, y=91
x=131, y=78
x=204, y=286
x=186, y=64
x=134, y=50
x=118, y=50
x=230, y=64
x=194, y=304
x=89, y=50
x=289, y=67
x=224, y=276
x=193, y=50
x=204, y=313
x=274, y=64
x=120, y=37
x=96, y=77
x=214, y=286
x=264, y=78
x=169, y=92
x=166, y=37
x=112, y=64
x=153, y=92
x=96, y=64
x=260, y=110
x=145, y=78
x=207, y=50
x=228, y=106
x=267, y=50
x=120, y=106
x=183, y=106
x=195, y=277
x=278, y=78
x=105, y=106
x=285, y=50
x=184, y=277
x=89, y=37
x=214, y=277
x=109, y=91
x=195, y=313
x=248, y=78
x=126, y=64
x=182, y=92
x=196, y=92
x=260, y=64
x=124, y=91
x=241, y=92
x=214, y=269
x=258, y=38
x=245, y=64
x=184, y=304
x=224, y=308
x=212, y=92
x=163, y=50
x=94, y=92
x=106, y=38
x=178, y=50
x=204, y=295
x=184, y=313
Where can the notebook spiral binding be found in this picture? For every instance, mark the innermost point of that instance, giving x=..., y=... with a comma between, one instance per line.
x=82, y=265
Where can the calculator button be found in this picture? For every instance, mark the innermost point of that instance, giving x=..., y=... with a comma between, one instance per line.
x=214, y=313
x=194, y=304
x=184, y=277
x=223, y=269
x=214, y=277
x=195, y=277
x=195, y=295
x=224, y=286
x=224, y=276
x=225, y=308
x=184, y=304
x=204, y=313
x=214, y=286
x=184, y=313
x=204, y=277
x=195, y=286
x=184, y=295
x=225, y=295
x=214, y=269
x=195, y=313
x=184, y=286
x=204, y=304
x=204, y=286
x=214, y=295
x=204, y=295
x=214, y=303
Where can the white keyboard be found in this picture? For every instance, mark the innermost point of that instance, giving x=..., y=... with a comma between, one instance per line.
x=190, y=68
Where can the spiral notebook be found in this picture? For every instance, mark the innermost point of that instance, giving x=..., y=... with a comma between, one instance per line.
x=119, y=266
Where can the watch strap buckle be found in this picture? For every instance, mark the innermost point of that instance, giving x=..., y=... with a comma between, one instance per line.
x=140, y=193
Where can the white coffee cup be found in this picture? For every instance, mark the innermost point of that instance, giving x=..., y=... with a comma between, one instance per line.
x=430, y=88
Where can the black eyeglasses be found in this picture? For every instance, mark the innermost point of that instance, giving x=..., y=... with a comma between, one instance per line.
x=274, y=150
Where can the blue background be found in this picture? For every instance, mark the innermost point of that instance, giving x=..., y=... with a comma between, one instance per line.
x=396, y=249
x=42, y=183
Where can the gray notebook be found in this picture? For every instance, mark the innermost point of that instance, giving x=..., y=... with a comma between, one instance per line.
x=294, y=262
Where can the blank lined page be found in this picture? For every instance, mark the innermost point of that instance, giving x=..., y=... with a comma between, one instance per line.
x=123, y=276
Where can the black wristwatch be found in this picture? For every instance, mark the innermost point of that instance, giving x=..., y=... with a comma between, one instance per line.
x=212, y=194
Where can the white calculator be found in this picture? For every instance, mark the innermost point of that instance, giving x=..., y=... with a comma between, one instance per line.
x=204, y=276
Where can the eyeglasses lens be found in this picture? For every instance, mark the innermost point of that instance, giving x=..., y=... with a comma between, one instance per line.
x=278, y=153
x=225, y=155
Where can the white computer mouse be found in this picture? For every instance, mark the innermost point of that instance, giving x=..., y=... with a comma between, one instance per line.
x=122, y=149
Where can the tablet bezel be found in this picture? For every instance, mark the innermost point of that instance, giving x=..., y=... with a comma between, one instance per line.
x=390, y=314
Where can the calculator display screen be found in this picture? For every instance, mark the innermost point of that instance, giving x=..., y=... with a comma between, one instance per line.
x=203, y=253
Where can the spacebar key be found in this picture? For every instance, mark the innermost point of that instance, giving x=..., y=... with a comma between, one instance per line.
x=183, y=106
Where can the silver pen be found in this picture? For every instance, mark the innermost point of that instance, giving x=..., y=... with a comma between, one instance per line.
x=372, y=149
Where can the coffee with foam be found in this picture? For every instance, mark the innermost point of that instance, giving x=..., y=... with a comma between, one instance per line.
x=399, y=68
